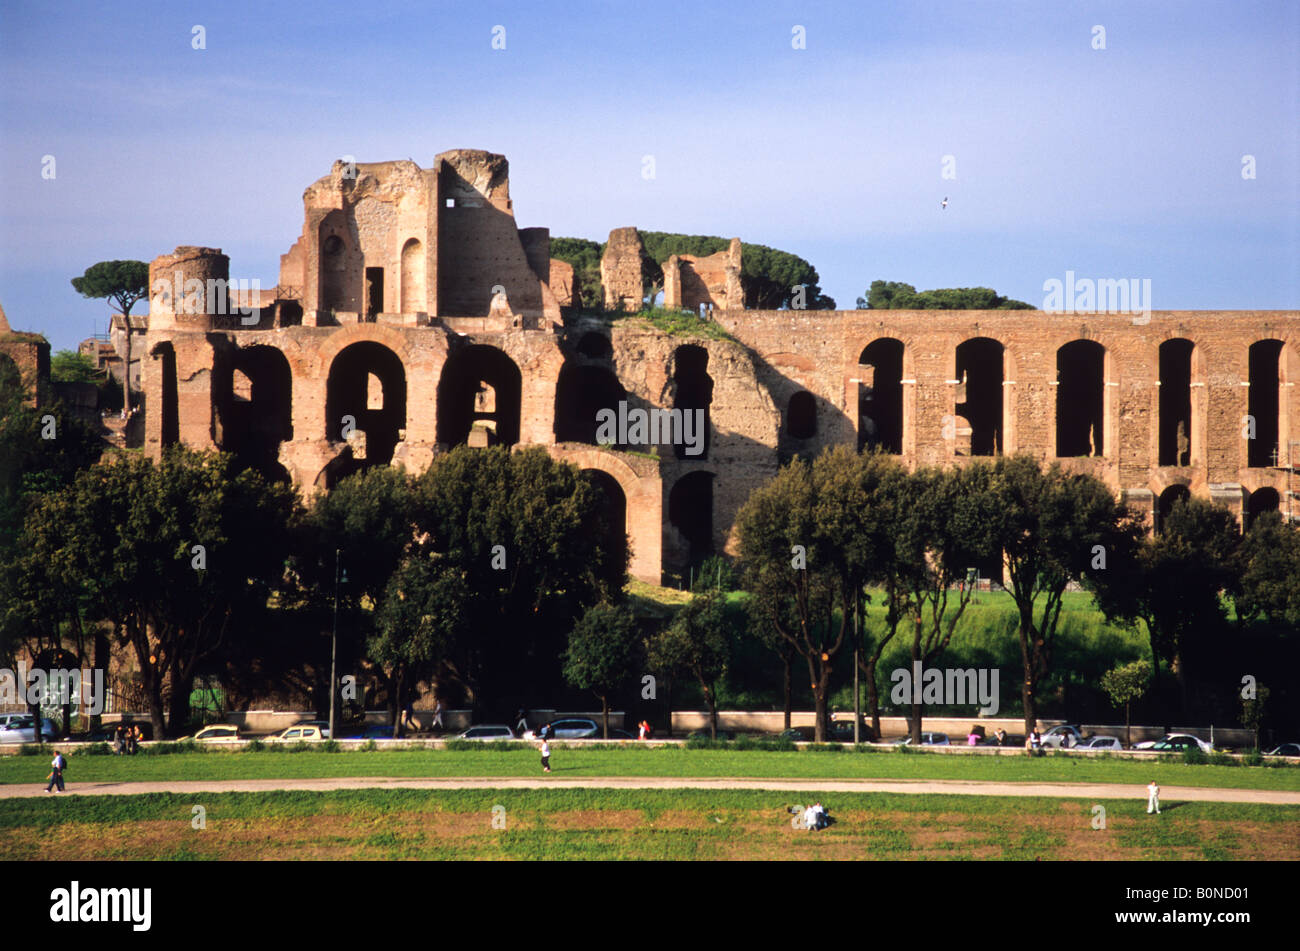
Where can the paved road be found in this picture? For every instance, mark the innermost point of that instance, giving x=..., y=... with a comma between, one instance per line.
x=951, y=787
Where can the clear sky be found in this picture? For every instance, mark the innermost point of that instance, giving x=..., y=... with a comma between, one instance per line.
x=1122, y=162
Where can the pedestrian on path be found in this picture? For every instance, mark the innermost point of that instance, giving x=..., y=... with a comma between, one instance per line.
x=546, y=756
x=57, y=766
x=437, y=715
x=1153, y=798
x=644, y=727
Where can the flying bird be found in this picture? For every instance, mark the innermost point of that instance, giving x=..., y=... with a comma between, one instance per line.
x=944, y=203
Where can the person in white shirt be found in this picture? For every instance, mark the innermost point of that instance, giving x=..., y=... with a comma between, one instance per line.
x=546, y=756
x=57, y=766
x=1153, y=798
x=810, y=818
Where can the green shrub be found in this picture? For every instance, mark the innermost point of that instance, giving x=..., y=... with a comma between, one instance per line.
x=1195, y=756
x=1222, y=759
x=460, y=746
x=369, y=746
x=31, y=749
x=302, y=746
x=254, y=746
x=96, y=749
x=825, y=747
x=328, y=746
x=745, y=743
x=1252, y=758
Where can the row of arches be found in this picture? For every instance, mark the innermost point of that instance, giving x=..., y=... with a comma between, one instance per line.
x=1082, y=410
x=1259, y=502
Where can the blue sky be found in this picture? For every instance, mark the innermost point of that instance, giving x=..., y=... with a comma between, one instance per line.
x=1118, y=163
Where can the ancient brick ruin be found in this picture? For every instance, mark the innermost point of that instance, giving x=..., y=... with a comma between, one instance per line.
x=412, y=315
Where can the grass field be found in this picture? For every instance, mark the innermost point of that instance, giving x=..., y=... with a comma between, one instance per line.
x=629, y=824
x=646, y=762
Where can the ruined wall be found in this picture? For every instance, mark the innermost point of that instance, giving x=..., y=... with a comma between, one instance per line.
x=564, y=284
x=621, y=273
x=714, y=281
x=819, y=351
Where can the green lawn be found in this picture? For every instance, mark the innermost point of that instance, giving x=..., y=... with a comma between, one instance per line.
x=641, y=761
x=629, y=824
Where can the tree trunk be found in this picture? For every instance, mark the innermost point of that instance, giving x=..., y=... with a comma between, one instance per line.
x=1128, y=730
x=102, y=658
x=604, y=713
x=126, y=373
x=873, y=698
x=788, y=689
x=713, y=711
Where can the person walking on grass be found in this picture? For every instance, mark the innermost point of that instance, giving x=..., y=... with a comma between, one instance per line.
x=57, y=766
x=1153, y=798
x=546, y=756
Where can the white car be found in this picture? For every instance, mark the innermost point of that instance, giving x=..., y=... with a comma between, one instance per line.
x=1175, y=743
x=217, y=733
x=1056, y=736
x=1100, y=743
x=487, y=732
x=298, y=734
x=21, y=728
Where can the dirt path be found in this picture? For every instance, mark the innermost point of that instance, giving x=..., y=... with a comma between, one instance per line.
x=944, y=786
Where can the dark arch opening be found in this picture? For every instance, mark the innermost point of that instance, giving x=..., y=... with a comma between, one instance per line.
x=1080, y=398
x=368, y=383
x=169, y=412
x=690, y=511
x=1265, y=362
x=595, y=345
x=1261, y=501
x=580, y=393
x=801, y=416
x=480, y=385
x=979, y=368
x=613, y=508
x=880, y=398
x=1168, y=499
x=1175, y=423
x=253, y=397
x=694, y=391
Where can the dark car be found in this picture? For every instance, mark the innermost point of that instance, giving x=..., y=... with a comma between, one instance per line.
x=1286, y=749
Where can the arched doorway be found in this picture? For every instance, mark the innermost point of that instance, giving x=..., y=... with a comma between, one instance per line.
x=614, y=511
x=980, y=376
x=1080, y=399
x=880, y=396
x=1261, y=501
x=366, y=392
x=580, y=393
x=481, y=389
x=253, y=398
x=1168, y=499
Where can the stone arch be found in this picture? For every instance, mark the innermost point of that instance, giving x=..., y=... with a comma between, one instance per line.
x=1179, y=436
x=980, y=399
x=801, y=415
x=881, y=411
x=580, y=393
x=693, y=390
x=1081, y=399
x=169, y=420
x=372, y=434
x=414, y=298
x=463, y=376
x=340, y=265
x=252, y=397
x=1262, y=500
x=691, y=513
x=614, y=509
x=1168, y=499
x=595, y=345
x=1266, y=377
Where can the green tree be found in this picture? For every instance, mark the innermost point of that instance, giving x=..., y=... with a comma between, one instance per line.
x=1175, y=582
x=1052, y=528
x=178, y=557
x=1270, y=572
x=944, y=531
x=530, y=537
x=895, y=295
x=1123, y=685
x=698, y=643
x=1253, y=710
x=124, y=284
x=601, y=652
x=69, y=366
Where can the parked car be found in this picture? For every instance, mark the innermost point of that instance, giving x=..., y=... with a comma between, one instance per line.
x=1286, y=749
x=797, y=734
x=217, y=733
x=1174, y=743
x=1057, y=734
x=927, y=739
x=322, y=725
x=298, y=734
x=371, y=731
x=21, y=728
x=488, y=731
x=1100, y=743
x=569, y=728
